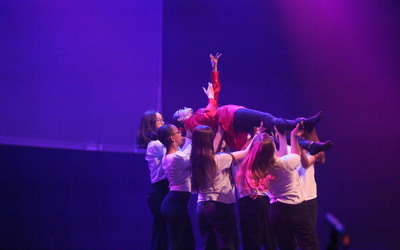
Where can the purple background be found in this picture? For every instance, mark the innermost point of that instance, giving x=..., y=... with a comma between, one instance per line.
x=294, y=58
x=76, y=75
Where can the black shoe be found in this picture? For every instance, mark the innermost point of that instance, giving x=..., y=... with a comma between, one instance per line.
x=309, y=123
x=317, y=147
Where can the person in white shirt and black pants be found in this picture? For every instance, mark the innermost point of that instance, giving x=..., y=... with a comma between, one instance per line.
x=176, y=165
x=276, y=173
x=213, y=180
x=155, y=151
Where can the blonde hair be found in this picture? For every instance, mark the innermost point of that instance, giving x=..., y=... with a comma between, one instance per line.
x=255, y=171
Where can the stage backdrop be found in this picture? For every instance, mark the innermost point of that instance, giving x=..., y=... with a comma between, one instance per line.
x=294, y=58
x=78, y=74
x=289, y=58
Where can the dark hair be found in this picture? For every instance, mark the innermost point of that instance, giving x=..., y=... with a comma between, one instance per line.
x=203, y=167
x=164, y=134
x=254, y=172
x=179, y=123
x=175, y=120
x=147, y=129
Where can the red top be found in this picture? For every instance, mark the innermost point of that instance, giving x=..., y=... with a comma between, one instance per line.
x=216, y=84
x=204, y=116
x=212, y=115
x=225, y=115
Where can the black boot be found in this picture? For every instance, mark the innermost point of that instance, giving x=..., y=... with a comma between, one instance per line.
x=317, y=147
x=309, y=123
x=304, y=144
x=314, y=147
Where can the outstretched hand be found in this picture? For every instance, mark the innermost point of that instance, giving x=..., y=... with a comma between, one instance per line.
x=214, y=61
x=297, y=130
x=209, y=91
x=261, y=128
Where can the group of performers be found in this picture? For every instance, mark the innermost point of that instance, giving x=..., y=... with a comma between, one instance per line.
x=232, y=154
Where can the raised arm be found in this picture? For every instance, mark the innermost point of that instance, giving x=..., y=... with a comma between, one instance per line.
x=242, y=153
x=218, y=138
x=215, y=75
x=293, y=140
x=209, y=92
x=281, y=138
x=306, y=160
x=205, y=116
x=214, y=61
x=212, y=103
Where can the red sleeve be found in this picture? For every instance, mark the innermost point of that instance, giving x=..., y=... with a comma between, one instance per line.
x=216, y=85
x=205, y=116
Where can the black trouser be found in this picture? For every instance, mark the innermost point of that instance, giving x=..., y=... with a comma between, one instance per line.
x=254, y=223
x=217, y=224
x=288, y=220
x=159, y=237
x=313, y=209
x=245, y=120
x=175, y=211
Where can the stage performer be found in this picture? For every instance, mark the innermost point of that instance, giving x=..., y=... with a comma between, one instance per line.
x=307, y=175
x=155, y=151
x=236, y=121
x=275, y=172
x=254, y=207
x=176, y=165
x=212, y=178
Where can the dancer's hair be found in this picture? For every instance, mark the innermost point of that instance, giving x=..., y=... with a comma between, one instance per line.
x=164, y=134
x=255, y=171
x=204, y=168
x=147, y=129
x=177, y=120
x=312, y=136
